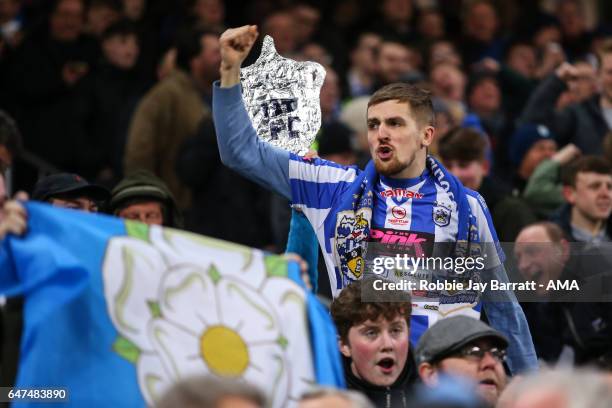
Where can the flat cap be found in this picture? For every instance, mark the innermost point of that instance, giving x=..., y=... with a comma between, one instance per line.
x=451, y=334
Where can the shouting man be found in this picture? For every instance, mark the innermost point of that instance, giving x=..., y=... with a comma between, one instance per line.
x=403, y=196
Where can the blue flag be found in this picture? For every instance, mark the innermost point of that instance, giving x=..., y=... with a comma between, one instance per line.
x=116, y=312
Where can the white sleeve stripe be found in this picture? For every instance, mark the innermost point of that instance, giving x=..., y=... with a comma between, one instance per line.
x=316, y=216
x=319, y=173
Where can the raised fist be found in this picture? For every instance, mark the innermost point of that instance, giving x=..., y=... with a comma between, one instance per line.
x=235, y=46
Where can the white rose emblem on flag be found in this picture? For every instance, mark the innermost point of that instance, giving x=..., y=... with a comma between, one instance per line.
x=186, y=305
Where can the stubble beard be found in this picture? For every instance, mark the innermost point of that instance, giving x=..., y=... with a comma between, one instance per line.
x=392, y=167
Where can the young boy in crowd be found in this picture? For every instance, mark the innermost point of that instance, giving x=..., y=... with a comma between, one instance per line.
x=587, y=190
x=374, y=342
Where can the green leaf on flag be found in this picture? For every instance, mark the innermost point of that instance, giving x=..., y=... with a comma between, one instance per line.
x=282, y=341
x=126, y=349
x=276, y=266
x=154, y=309
x=214, y=274
x=137, y=230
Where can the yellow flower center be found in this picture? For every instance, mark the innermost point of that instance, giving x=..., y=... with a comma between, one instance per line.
x=224, y=351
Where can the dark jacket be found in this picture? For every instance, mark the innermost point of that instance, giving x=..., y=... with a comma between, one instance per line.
x=493, y=191
x=575, y=318
x=589, y=323
x=10, y=340
x=225, y=204
x=510, y=214
x=108, y=100
x=516, y=90
x=47, y=109
x=589, y=320
x=473, y=50
x=398, y=395
x=563, y=218
x=581, y=123
x=548, y=325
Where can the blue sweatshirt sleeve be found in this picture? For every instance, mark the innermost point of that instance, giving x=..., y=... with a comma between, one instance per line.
x=506, y=315
x=240, y=148
x=501, y=306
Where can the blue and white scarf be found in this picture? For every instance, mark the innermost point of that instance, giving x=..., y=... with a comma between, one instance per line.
x=355, y=210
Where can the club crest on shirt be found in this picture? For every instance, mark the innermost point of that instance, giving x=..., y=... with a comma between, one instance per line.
x=350, y=236
x=441, y=214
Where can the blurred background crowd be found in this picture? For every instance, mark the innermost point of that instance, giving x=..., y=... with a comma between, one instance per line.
x=101, y=88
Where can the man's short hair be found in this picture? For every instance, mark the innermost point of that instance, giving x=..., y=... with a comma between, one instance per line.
x=462, y=144
x=522, y=41
x=470, y=5
x=53, y=5
x=207, y=391
x=392, y=39
x=114, y=5
x=417, y=98
x=279, y=12
x=188, y=45
x=355, y=41
x=349, y=310
x=585, y=164
x=553, y=231
x=121, y=28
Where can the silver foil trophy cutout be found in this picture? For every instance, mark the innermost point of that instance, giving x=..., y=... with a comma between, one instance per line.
x=282, y=98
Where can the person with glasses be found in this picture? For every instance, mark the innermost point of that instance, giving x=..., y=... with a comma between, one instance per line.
x=465, y=347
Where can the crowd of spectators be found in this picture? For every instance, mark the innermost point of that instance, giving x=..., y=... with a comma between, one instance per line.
x=102, y=88
x=118, y=93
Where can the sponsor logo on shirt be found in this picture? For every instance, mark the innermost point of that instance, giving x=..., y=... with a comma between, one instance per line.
x=398, y=212
x=401, y=193
x=398, y=216
x=391, y=242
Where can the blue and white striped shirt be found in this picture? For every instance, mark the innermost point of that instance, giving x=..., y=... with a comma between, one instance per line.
x=411, y=210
